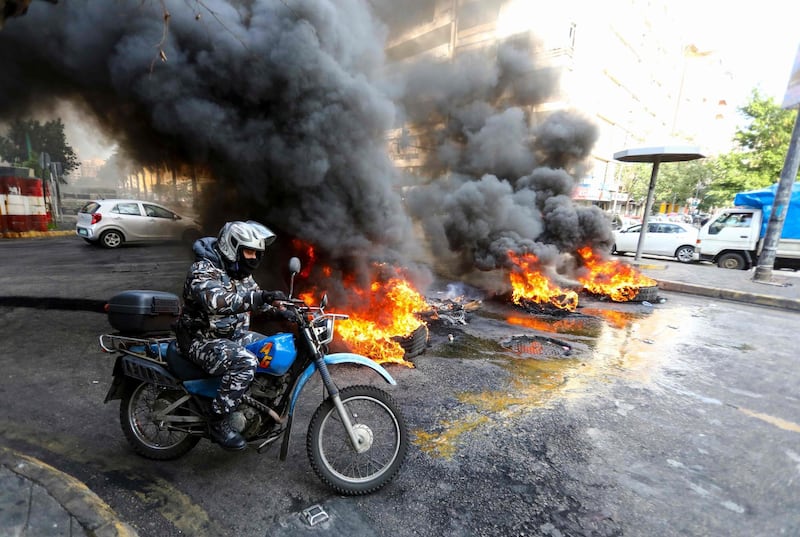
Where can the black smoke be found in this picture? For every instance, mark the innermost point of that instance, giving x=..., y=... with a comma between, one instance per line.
x=503, y=176
x=285, y=104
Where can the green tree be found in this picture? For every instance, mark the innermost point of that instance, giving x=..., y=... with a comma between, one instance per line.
x=757, y=161
x=677, y=182
x=27, y=139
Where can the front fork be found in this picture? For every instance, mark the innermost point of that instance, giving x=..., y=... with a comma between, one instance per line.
x=359, y=442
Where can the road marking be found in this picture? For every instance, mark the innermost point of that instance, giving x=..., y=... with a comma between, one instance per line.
x=772, y=420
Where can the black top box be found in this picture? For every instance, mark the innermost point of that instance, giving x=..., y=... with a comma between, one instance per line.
x=143, y=313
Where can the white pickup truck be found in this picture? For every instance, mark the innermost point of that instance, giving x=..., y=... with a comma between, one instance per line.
x=733, y=237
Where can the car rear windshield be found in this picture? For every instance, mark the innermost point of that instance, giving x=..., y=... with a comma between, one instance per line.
x=90, y=207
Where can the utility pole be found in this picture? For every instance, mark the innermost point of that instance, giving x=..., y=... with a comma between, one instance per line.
x=777, y=217
x=56, y=171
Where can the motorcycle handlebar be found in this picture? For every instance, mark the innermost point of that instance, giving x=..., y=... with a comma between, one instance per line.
x=296, y=302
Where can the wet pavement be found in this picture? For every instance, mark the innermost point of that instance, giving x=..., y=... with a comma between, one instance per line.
x=37, y=499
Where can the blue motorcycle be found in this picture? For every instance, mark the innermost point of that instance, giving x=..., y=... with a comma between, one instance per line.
x=357, y=438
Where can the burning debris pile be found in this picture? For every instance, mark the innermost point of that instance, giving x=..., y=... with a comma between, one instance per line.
x=449, y=311
x=608, y=279
x=613, y=279
x=452, y=306
x=384, y=321
x=531, y=286
x=285, y=111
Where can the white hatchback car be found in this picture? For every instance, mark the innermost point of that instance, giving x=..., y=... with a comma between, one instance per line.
x=113, y=222
x=663, y=238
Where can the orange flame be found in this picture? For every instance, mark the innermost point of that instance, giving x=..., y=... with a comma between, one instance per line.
x=386, y=311
x=529, y=284
x=568, y=326
x=308, y=253
x=612, y=278
x=379, y=316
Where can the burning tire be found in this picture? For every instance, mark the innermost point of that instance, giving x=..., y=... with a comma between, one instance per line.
x=414, y=343
x=646, y=294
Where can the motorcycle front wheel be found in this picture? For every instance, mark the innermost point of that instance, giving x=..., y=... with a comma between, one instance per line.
x=149, y=437
x=381, y=429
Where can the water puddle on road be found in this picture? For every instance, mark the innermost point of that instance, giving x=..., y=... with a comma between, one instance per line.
x=604, y=345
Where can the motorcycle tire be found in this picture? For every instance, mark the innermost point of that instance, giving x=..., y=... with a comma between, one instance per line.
x=378, y=421
x=149, y=438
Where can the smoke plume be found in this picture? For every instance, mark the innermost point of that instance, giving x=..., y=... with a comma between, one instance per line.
x=502, y=179
x=285, y=105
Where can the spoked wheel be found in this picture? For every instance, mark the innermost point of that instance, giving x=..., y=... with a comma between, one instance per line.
x=382, y=441
x=146, y=434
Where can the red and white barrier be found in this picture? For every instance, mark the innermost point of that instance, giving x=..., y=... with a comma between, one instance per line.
x=22, y=206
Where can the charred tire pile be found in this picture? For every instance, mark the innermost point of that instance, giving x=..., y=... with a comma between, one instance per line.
x=646, y=294
x=414, y=343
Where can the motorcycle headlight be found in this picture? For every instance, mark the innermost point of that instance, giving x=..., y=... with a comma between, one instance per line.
x=323, y=330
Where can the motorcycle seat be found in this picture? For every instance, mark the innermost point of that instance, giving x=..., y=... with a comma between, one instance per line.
x=181, y=367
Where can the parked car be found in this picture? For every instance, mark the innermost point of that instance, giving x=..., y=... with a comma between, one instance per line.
x=662, y=238
x=113, y=222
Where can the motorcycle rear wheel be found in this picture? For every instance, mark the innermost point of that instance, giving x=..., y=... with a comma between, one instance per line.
x=149, y=438
x=376, y=417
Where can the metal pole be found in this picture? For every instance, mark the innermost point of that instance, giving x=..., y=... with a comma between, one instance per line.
x=783, y=193
x=57, y=203
x=647, y=208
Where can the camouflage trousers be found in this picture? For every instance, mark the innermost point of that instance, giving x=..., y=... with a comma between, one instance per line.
x=229, y=358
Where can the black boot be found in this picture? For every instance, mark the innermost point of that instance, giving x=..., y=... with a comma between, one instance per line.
x=223, y=433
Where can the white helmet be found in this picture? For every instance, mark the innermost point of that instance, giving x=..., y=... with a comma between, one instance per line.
x=234, y=237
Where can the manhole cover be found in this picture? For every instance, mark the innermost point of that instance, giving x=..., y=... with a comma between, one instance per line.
x=538, y=346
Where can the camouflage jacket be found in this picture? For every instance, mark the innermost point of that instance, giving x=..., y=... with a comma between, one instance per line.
x=214, y=304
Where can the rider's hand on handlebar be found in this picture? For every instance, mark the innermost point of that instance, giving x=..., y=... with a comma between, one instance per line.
x=287, y=315
x=268, y=297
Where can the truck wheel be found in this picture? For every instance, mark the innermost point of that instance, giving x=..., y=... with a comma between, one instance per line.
x=732, y=261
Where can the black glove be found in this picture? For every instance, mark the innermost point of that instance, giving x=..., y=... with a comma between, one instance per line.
x=268, y=297
x=288, y=315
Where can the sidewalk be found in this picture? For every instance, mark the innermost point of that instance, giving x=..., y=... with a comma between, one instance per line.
x=737, y=285
x=38, y=500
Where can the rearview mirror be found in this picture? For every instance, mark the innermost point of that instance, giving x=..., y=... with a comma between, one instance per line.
x=294, y=265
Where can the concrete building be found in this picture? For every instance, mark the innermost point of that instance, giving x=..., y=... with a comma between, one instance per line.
x=624, y=63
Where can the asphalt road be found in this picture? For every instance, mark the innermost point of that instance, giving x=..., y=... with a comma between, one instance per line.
x=680, y=418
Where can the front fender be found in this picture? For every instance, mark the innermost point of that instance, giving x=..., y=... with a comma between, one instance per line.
x=338, y=358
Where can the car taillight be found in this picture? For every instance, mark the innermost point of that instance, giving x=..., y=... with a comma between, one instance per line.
x=96, y=217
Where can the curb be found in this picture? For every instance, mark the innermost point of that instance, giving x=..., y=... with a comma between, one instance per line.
x=36, y=234
x=727, y=294
x=93, y=514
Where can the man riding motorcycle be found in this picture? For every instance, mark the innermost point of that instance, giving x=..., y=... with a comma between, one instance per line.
x=218, y=296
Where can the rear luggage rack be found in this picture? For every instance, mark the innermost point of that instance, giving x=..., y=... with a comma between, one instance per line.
x=153, y=349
